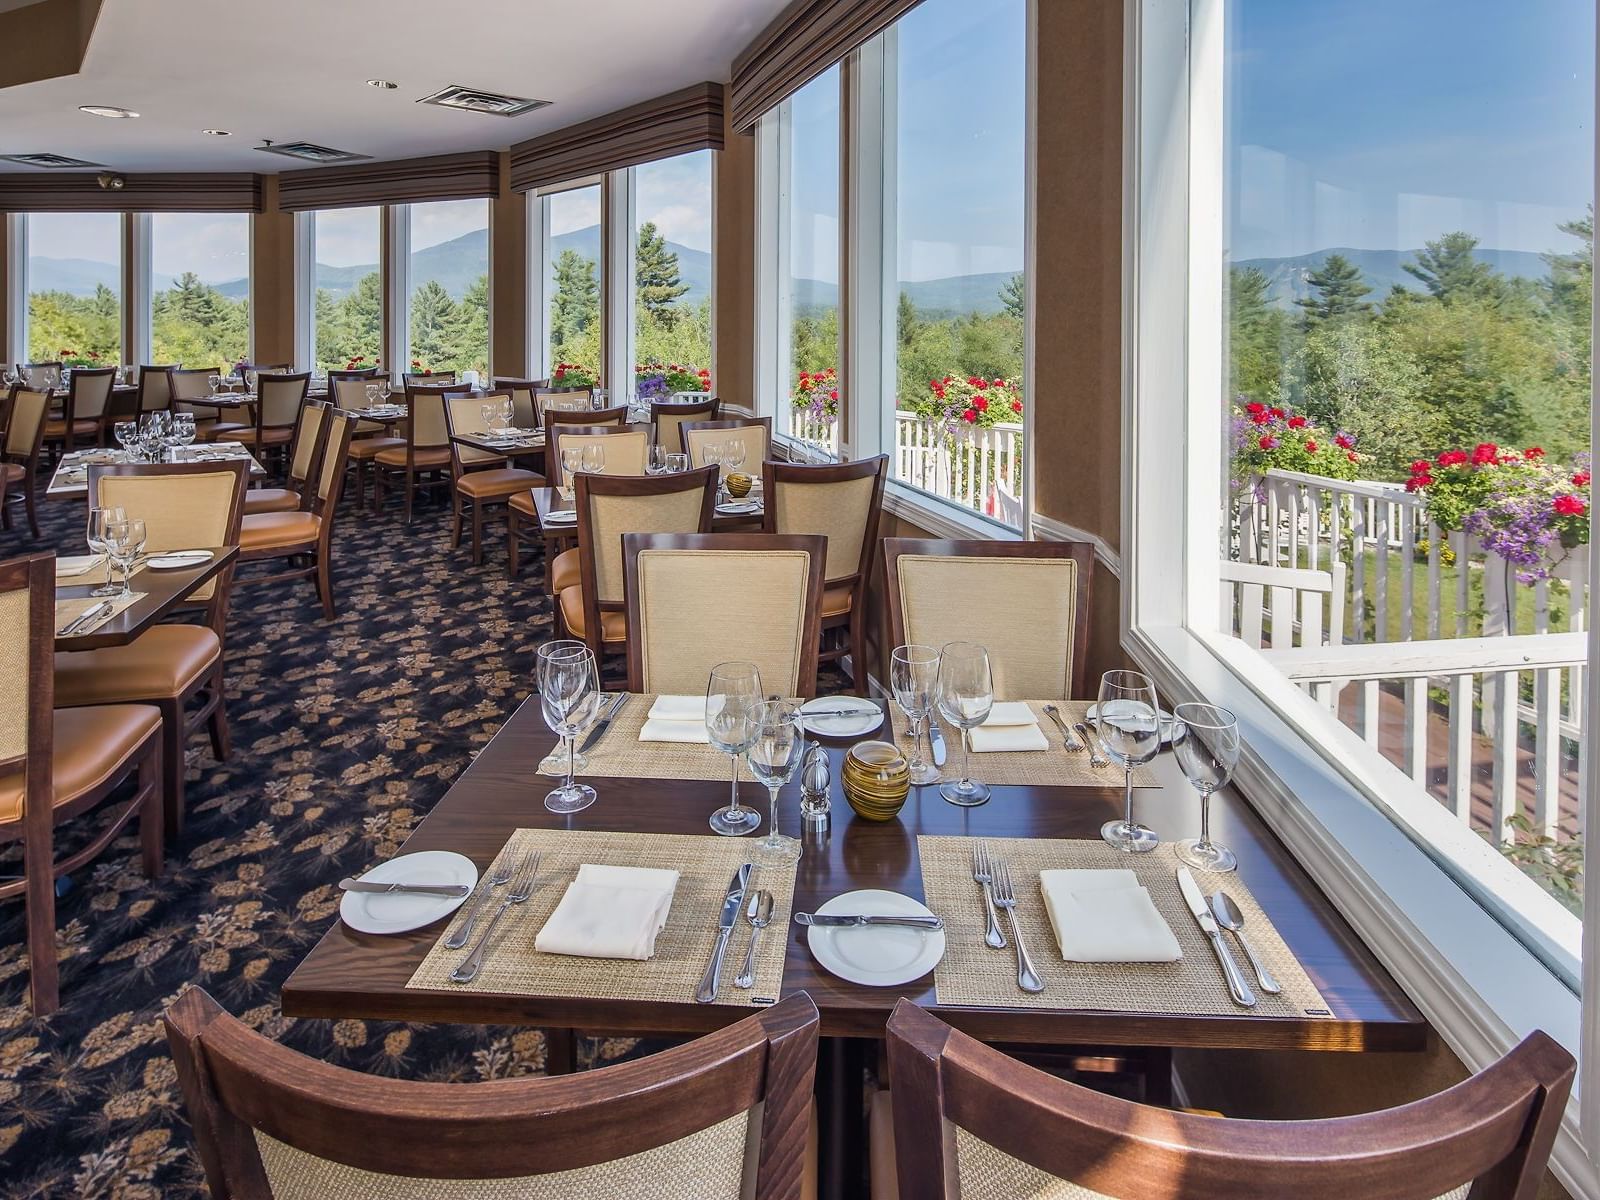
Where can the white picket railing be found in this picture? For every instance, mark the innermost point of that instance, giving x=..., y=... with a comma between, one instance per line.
x=815, y=431
x=968, y=466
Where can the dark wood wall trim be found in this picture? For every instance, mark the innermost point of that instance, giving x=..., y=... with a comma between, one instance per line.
x=807, y=38
x=80, y=191
x=677, y=124
x=471, y=176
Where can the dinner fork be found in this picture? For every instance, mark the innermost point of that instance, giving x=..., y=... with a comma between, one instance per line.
x=521, y=889
x=1006, y=897
x=500, y=876
x=982, y=875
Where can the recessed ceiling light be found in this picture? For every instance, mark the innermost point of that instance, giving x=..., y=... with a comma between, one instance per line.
x=107, y=110
x=385, y=84
x=217, y=132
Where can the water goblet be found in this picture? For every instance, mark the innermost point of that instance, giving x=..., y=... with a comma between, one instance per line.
x=569, y=696
x=1127, y=719
x=374, y=394
x=214, y=382
x=914, y=679
x=99, y=520
x=733, y=454
x=486, y=415
x=594, y=458
x=1205, y=741
x=124, y=540
x=571, y=463
x=966, y=694
x=183, y=429
x=505, y=414
x=656, y=459
x=127, y=434
x=774, y=756
x=733, y=694
x=677, y=463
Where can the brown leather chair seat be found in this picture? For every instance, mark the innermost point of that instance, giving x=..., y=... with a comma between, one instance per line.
x=230, y=431
x=503, y=481
x=613, y=625
x=365, y=448
x=835, y=600
x=270, y=530
x=247, y=434
x=57, y=428
x=164, y=660
x=523, y=503
x=271, y=500
x=437, y=456
x=91, y=745
x=10, y=472
x=566, y=571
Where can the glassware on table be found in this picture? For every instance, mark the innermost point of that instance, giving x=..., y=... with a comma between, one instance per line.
x=655, y=462
x=124, y=540
x=1205, y=741
x=374, y=394
x=733, y=454
x=677, y=463
x=99, y=520
x=183, y=429
x=914, y=679
x=127, y=434
x=1127, y=719
x=711, y=456
x=733, y=697
x=774, y=757
x=594, y=458
x=965, y=696
x=486, y=415
x=214, y=382
x=569, y=694
x=571, y=463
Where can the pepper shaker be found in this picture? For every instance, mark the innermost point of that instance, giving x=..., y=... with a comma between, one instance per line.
x=816, y=780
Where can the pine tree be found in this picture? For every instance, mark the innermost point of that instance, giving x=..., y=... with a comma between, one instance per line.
x=1014, y=296
x=577, y=300
x=906, y=322
x=1571, y=275
x=432, y=313
x=1338, y=286
x=1255, y=336
x=1449, y=271
x=657, y=284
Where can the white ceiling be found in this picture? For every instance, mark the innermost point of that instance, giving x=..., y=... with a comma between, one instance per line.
x=293, y=70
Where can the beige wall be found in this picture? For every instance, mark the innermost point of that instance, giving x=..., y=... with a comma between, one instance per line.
x=508, y=277
x=272, y=291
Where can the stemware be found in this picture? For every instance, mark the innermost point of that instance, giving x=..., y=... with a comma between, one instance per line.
x=214, y=382
x=711, y=456
x=733, y=695
x=99, y=520
x=966, y=694
x=571, y=463
x=124, y=541
x=594, y=458
x=569, y=695
x=677, y=463
x=914, y=678
x=1127, y=719
x=183, y=429
x=733, y=454
x=374, y=394
x=1205, y=740
x=127, y=434
x=486, y=415
x=656, y=460
x=774, y=757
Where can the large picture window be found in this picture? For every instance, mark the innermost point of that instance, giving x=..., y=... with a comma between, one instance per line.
x=200, y=288
x=348, y=296
x=74, y=287
x=672, y=273
x=448, y=323
x=808, y=311
x=570, y=268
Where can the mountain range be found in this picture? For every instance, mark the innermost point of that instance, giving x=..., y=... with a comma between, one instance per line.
x=1380, y=269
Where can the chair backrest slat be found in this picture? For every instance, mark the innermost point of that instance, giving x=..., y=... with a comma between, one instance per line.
x=155, y=387
x=279, y=400
x=309, y=437
x=26, y=411
x=427, y=427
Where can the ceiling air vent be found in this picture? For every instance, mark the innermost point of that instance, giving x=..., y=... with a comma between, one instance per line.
x=474, y=100
x=311, y=152
x=54, y=162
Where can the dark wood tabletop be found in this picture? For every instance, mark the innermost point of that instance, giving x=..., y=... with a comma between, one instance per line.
x=350, y=974
x=519, y=449
x=547, y=500
x=163, y=592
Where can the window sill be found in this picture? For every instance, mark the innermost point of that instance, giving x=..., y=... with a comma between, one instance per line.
x=942, y=520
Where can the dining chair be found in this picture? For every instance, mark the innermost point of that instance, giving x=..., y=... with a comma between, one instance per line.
x=841, y=501
x=192, y=383
x=671, y=581
x=481, y=479
x=155, y=387
x=616, y=415
x=371, y=436
x=83, y=409
x=25, y=416
x=42, y=375
x=426, y=451
x=1028, y=603
x=622, y=458
x=563, y=399
x=57, y=764
x=588, y=579
x=303, y=536
x=973, y=1123
x=178, y=667
x=524, y=400
x=756, y=433
x=305, y=453
x=279, y=368
x=427, y=379
x=279, y=399
x=717, y=1118
x=667, y=417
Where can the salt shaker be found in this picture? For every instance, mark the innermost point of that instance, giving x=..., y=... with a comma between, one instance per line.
x=816, y=779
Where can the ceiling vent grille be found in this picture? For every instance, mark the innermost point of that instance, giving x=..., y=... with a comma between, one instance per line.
x=478, y=101
x=311, y=152
x=53, y=162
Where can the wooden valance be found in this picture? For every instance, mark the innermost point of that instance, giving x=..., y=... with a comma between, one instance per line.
x=807, y=38
x=470, y=176
x=677, y=124
x=80, y=191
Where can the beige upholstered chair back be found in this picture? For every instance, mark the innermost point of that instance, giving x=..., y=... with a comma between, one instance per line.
x=15, y=644
x=191, y=511
x=429, y=428
x=1022, y=609
x=305, y=443
x=91, y=392
x=567, y=400
x=670, y=418
x=192, y=383
x=280, y=397
x=754, y=437
x=28, y=411
x=437, y=379
x=677, y=589
x=466, y=416
x=155, y=388
x=524, y=407
x=840, y=511
x=352, y=394
x=612, y=516
x=335, y=457
x=625, y=452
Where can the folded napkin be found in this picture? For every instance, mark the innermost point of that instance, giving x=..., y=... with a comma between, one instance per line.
x=1105, y=916
x=610, y=912
x=1012, y=726
x=70, y=565
x=676, y=719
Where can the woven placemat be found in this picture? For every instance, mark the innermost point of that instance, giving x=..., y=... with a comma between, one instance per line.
x=973, y=974
x=704, y=866
x=68, y=611
x=1054, y=767
x=621, y=755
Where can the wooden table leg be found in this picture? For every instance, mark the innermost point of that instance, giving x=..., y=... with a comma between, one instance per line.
x=560, y=1051
x=842, y=1117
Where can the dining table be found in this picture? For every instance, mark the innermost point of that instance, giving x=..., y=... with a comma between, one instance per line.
x=160, y=592
x=70, y=480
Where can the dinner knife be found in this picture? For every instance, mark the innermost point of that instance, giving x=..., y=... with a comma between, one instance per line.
x=452, y=890
x=847, y=920
x=935, y=740
x=84, y=618
x=731, y=904
x=603, y=723
x=1196, y=900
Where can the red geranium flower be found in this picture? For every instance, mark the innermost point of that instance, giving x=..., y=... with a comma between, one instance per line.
x=1297, y=422
x=1016, y=406
x=1418, y=482
x=1421, y=467
x=1311, y=447
x=1485, y=454
x=1452, y=458
x=1255, y=407
x=1268, y=442
x=833, y=395
x=1277, y=413
x=1345, y=442
x=1571, y=505
x=969, y=416
x=1581, y=479
x=1533, y=452
x=1261, y=418
x=1352, y=456
x=999, y=383
x=981, y=404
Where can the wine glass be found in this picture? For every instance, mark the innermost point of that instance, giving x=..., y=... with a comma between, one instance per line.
x=214, y=382
x=1205, y=740
x=183, y=429
x=914, y=678
x=966, y=694
x=571, y=463
x=127, y=434
x=656, y=459
x=733, y=453
x=677, y=463
x=374, y=394
x=1128, y=721
x=774, y=756
x=594, y=458
x=505, y=415
x=733, y=695
x=99, y=519
x=711, y=456
x=569, y=694
x=124, y=540
x=486, y=415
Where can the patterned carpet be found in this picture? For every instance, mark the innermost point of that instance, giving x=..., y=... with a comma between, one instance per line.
x=345, y=734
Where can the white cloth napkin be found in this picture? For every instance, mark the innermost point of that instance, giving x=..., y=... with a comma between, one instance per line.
x=610, y=912
x=1011, y=726
x=676, y=719
x=69, y=565
x=1106, y=916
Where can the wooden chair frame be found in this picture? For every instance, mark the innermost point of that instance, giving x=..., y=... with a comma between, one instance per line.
x=258, y=442
x=146, y=374
x=303, y=486
x=1496, y=1128
x=730, y=424
x=235, y=1081
x=375, y=375
x=1080, y=552
x=413, y=474
x=28, y=460
x=56, y=365
x=775, y=474
x=459, y=501
x=703, y=411
x=592, y=420
x=503, y=383
x=813, y=544
x=69, y=407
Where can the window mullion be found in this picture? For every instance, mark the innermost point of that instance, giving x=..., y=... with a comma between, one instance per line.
x=869, y=350
x=397, y=286
x=16, y=284
x=136, y=246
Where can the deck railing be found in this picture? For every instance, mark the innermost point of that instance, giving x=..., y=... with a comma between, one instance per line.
x=967, y=466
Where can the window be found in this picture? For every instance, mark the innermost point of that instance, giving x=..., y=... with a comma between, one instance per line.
x=569, y=268
x=808, y=310
x=448, y=323
x=74, y=287
x=348, y=299
x=672, y=272
x=200, y=288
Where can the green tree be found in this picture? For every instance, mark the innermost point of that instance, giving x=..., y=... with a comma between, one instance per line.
x=1014, y=297
x=1449, y=270
x=433, y=314
x=657, y=283
x=1338, y=290
x=466, y=333
x=576, y=307
x=906, y=321
x=1256, y=332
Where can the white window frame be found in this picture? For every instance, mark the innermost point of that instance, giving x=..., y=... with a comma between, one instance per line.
x=541, y=263
x=305, y=291
x=1477, y=984
x=139, y=303
x=16, y=284
x=619, y=283
x=774, y=302
x=395, y=246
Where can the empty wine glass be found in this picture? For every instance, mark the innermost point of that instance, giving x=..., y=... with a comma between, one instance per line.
x=374, y=394
x=733, y=454
x=656, y=459
x=966, y=694
x=214, y=382
x=733, y=695
x=99, y=520
x=486, y=415
x=774, y=756
x=183, y=429
x=124, y=541
x=1205, y=741
x=594, y=458
x=1128, y=721
x=126, y=433
x=711, y=455
x=677, y=463
x=914, y=678
x=569, y=695
x=505, y=415
x=571, y=463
